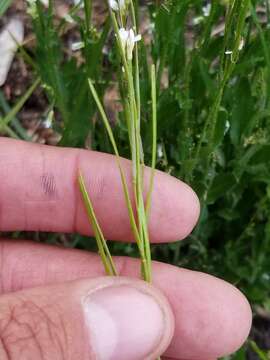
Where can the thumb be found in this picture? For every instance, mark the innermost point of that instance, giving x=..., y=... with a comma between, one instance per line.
x=104, y=318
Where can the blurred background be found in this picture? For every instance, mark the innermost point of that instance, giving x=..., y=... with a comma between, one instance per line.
x=213, y=75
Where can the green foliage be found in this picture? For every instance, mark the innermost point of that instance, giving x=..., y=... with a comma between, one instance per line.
x=213, y=121
x=11, y=113
x=214, y=130
x=4, y=5
x=66, y=83
x=262, y=355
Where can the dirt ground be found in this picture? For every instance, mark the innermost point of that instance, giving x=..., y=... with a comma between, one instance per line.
x=20, y=78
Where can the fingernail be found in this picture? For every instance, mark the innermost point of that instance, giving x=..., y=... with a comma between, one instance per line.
x=124, y=323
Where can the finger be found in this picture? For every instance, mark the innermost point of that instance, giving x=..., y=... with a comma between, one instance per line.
x=103, y=318
x=212, y=318
x=166, y=358
x=39, y=191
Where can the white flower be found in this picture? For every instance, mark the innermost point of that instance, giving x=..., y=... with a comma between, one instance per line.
x=159, y=151
x=241, y=45
x=197, y=20
x=117, y=5
x=77, y=45
x=128, y=40
x=78, y=2
x=206, y=10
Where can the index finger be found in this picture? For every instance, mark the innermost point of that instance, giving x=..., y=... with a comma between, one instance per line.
x=39, y=191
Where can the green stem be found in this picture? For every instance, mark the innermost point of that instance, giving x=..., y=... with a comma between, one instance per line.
x=101, y=242
x=154, y=137
x=123, y=179
x=238, y=8
x=10, y=116
x=88, y=14
x=132, y=105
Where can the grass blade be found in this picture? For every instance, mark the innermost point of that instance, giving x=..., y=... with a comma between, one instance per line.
x=154, y=137
x=4, y=5
x=123, y=179
x=8, y=118
x=14, y=122
x=101, y=242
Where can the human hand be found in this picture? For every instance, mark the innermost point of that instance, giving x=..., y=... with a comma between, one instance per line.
x=56, y=304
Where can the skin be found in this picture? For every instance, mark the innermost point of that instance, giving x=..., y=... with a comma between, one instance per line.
x=39, y=192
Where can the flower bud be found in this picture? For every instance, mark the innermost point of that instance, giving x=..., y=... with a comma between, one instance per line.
x=128, y=40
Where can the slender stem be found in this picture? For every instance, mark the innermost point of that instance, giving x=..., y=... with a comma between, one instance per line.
x=101, y=242
x=238, y=7
x=6, y=120
x=154, y=137
x=132, y=105
x=137, y=72
x=88, y=14
x=123, y=178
